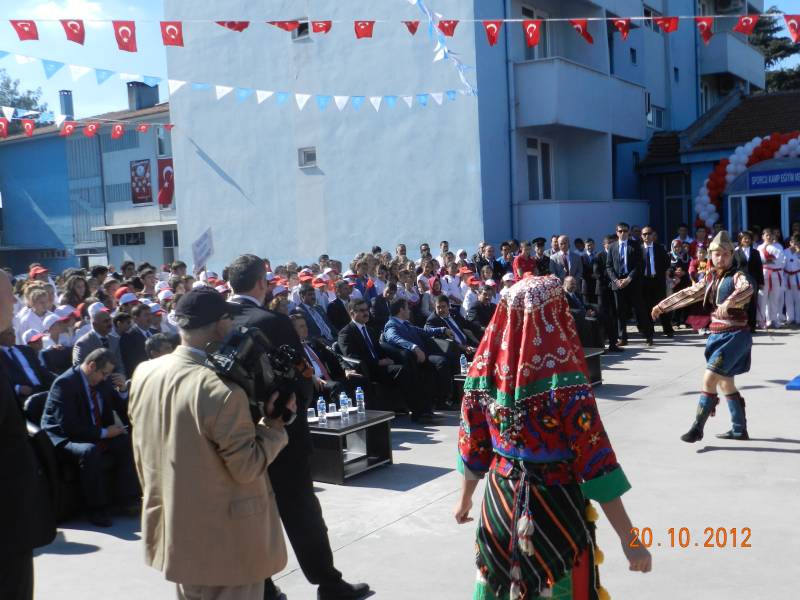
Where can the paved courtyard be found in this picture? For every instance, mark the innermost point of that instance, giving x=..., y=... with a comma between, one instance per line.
x=393, y=527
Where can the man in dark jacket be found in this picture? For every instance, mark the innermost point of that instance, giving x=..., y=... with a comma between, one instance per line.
x=466, y=335
x=26, y=374
x=131, y=343
x=27, y=519
x=654, y=280
x=750, y=260
x=379, y=311
x=482, y=312
x=605, y=298
x=337, y=311
x=79, y=419
x=290, y=473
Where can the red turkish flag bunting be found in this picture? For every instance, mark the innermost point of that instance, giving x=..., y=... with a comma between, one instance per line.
x=746, y=24
x=117, y=131
x=492, y=31
x=3, y=127
x=623, y=26
x=169, y=126
x=91, y=129
x=75, y=30
x=793, y=25
x=448, y=27
x=166, y=181
x=172, y=33
x=28, y=125
x=582, y=27
x=68, y=128
x=142, y=127
x=364, y=29
x=705, y=25
x=667, y=24
x=286, y=25
x=125, y=32
x=412, y=26
x=26, y=30
x=321, y=26
x=237, y=26
x=532, y=29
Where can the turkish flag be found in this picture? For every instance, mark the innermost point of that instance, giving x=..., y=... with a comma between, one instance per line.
x=582, y=27
x=91, y=129
x=166, y=181
x=117, y=131
x=26, y=30
x=746, y=24
x=793, y=25
x=169, y=126
x=142, y=127
x=412, y=26
x=705, y=25
x=3, y=127
x=532, y=29
x=448, y=27
x=286, y=25
x=492, y=31
x=125, y=32
x=667, y=24
x=364, y=29
x=28, y=125
x=321, y=26
x=172, y=33
x=623, y=26
x=238, y=26
x=67, y=128
x=75, y=30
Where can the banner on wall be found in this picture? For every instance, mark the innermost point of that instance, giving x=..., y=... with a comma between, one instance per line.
x=141, y=188
x=202, y=249
x=166, y=183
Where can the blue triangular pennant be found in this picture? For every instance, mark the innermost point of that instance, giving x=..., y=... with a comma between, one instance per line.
x=3, y=53
x=422, y=99
x=102, y=75
x=357, y=101
x=200, y=86
x=391, y=101
x=151, y=80
x=243, y=94
x=451, y=95
x=323, y=101
x=51, y=67
x=281, y=97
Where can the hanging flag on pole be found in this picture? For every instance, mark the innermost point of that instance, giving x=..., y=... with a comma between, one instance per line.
x=75, y=30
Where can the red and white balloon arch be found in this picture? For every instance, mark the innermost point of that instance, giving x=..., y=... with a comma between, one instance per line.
x=708, y=203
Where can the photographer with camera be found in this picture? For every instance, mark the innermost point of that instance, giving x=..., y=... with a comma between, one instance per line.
x=208, y=519
x=290, y=474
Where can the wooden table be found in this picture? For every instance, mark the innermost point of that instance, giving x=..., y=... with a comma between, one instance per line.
x=344, y=448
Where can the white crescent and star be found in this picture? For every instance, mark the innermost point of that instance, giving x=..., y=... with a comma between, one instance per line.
x=793, y=24
x=171, y=31
x=125, y=37
x=492, y=28
x=531, y=29
x=579, y=28
x=25, y=25
x=74, y=26
x=747, y=21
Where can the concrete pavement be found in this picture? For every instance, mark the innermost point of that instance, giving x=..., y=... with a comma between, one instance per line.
x=393, y=527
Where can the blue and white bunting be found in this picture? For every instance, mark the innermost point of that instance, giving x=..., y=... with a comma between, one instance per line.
x=102, y=75
x=51, y=67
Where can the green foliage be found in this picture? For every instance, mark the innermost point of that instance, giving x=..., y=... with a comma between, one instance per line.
x=11, y=95
x=775, y=49
x=782, y=80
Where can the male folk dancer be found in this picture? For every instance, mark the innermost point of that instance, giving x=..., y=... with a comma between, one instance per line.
x=727, y=290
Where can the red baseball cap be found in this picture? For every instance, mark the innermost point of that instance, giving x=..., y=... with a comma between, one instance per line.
x=37, y=271
x=121, y=290
x=465, y=271
x=473, y=281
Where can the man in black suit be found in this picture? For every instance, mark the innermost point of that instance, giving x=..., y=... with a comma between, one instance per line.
x=654, y=281
x=290, y=473
x=482, y=312
x=131, y=343
x=26, y=374
x=379, y=311
x=542, y=259
x=318, y=324
x=337, y=311
x=359, y=340
x=624, y=269
x=750, y=260
x=79, y=419
x=605, y=297
x=466, y=335
x=27, y=518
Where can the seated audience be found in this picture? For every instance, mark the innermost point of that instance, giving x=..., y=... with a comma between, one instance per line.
x=25, y=373
x=482, y=311
x=465, y=335
x=131, y=344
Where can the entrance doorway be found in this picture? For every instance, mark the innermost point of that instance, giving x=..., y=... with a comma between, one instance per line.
x=764, y=211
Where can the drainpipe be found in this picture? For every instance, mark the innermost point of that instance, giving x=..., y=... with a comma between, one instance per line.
x=512, y=122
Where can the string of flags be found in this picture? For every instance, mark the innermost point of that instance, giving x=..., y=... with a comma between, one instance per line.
x=172, y=31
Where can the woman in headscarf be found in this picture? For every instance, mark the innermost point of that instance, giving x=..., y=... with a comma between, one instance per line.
x=529, y=422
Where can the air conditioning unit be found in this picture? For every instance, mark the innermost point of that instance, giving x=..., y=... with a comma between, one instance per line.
x=730, y=6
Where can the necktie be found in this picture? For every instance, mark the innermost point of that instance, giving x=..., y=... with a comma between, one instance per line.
x=566, y=260
x=104, y=342
x=316, y=360
x=454, y=328
x=369, y=342
x=96, y=415
x=624, y=253
x=647, y=269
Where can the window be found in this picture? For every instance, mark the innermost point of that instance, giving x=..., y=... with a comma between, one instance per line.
x=542, y=50
x=634, y=57
x=302, y=32
x=170, y=238
x=540, y=169
x=655, y=114
x=649, y=15
x=164, y=142
x=307, y=157
x=135, y=238
x=677, y=202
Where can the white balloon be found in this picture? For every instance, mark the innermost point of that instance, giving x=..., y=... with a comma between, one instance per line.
x=748, y=148
x=729, y=169
x=739, y=151
x=757, y=140
x=794, y=142
x=730, y=177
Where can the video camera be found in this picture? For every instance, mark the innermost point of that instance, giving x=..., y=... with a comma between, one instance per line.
x=248, y=358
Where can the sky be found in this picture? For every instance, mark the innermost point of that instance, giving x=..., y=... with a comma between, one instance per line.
x=100, y=49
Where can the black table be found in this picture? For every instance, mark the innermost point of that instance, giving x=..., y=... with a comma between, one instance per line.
x=345, y=448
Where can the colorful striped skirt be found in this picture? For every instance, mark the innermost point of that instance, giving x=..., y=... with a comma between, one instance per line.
x=534, y=540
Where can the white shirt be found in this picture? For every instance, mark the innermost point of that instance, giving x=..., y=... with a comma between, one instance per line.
x=623, y=252
x=470, y=300
x=27, y=319
x=362, y=329
x=650, y=256
x=380, y=286
x=778, y=257
x=746, y=251
x=451, y=287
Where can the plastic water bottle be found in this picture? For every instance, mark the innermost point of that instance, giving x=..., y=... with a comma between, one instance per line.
x=321, y=411
x=464, y=364
x=344, y=404
x=361, y=408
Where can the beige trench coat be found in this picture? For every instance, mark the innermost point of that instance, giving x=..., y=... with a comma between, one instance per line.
x=209, y=515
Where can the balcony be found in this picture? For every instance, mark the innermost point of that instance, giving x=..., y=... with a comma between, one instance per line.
x=728, y=53
x=557, y=91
